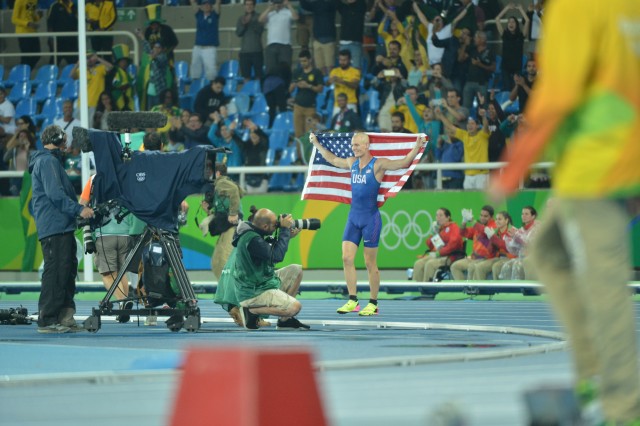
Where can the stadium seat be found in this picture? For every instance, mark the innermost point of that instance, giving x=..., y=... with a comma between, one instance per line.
x=46, y=90
x=51, y=109
x=279, y=181
x=133, y=71
x=283, y=121
x=70, y=90
x=321, y=100
x=230, y=69
x=374, y=100
x=18, y=74
x=1, y=74
x=20, y=90
x=278, y=139
x=187, y=100
x=242, y=102
x=230, y=87
x=65, y=75
x=261, y=120
x=45, y=74
x=182, y=75
x=27, y=106
x=251, y=88
x=259, y=106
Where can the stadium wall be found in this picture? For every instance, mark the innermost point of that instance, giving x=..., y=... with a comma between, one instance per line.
x=406, y=219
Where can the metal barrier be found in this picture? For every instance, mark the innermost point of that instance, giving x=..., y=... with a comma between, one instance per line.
x=135, y=50
x=437, y=167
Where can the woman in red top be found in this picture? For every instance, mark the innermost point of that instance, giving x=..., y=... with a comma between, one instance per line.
x=445, y=245
x=497, y=238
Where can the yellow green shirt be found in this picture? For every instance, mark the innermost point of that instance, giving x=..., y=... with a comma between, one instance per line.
x=476, y=149
x=351, y=74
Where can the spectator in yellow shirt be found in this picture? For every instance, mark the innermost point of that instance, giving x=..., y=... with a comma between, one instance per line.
x=345, y=79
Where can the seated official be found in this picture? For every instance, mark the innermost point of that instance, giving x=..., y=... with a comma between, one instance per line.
x=259, y=289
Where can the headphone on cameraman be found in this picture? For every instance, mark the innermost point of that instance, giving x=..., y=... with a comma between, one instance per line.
x=53, y=135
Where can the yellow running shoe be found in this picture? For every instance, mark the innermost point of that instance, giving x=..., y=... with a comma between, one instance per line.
x=350, y=306
x=369, y=310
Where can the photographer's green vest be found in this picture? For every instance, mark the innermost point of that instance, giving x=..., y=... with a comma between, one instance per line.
x=221, y=206
x=252, y=279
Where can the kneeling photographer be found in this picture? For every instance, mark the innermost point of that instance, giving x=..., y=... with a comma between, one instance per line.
x=260, y=289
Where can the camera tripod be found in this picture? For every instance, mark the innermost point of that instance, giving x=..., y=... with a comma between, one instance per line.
x=188, y=317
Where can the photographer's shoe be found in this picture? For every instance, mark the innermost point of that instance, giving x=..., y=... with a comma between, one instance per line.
x=369, y=310
x=263, y=323
x=350, y=306
x=65, y=317
x=249, y=319
x=291, y=324
x=122, y=318
x=235, y=314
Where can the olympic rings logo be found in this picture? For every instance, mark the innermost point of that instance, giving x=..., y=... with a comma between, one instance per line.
x=404, y=229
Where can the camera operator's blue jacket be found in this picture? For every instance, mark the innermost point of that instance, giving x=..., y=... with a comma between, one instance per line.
x=53, y=202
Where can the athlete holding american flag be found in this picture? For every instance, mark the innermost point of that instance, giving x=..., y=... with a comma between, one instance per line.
x=364, y=222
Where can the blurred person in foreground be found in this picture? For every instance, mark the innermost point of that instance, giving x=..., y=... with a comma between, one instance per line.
x=584, y=110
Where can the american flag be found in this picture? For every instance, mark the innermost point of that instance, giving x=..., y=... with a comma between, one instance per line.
x=327, y=182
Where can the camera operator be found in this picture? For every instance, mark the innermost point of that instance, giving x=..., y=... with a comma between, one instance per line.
x=223, y=206
x=112, y=243
x=259, y=288
x=55, y=209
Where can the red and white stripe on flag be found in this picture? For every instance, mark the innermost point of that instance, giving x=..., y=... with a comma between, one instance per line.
x=327, y=182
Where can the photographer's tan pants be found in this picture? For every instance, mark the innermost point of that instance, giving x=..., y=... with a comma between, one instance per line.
x=222, y=251
x=582, y=255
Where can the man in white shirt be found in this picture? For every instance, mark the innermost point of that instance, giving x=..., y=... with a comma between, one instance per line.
x=7, y=116
x=277, y=18
x=67, y=122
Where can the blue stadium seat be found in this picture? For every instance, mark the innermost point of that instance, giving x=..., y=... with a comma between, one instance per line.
x=251, y=88
x=259, y=106
x=27, y=106
x=278, y=139
x=45, y=74
x=374, y=100
x=242, y=102
x=261, y=120
x=230, y=69
x=1, y=73
x=46, y=90
x=230, y=87
x=18, y=74
x=283, y=121
x=70, y=90
x=187, y=100
x=279, y=181
x=322, y=99
x=51, y=109
x=182, y=75
x=65, y=75
x=513, y=107
x=20, y=90
x=133, y=71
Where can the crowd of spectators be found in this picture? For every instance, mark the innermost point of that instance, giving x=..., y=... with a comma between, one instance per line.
x=417, y=67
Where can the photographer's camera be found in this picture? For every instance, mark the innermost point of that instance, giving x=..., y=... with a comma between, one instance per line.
x=311, y=224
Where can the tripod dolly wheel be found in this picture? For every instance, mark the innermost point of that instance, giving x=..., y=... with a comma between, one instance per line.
x=192, y=323
x=92, y=324
x=175, y=322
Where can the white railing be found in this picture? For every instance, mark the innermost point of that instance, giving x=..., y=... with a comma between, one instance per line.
x=135, y=49
x=437, y=167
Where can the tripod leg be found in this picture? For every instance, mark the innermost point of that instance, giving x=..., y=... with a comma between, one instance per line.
x=192, y=312
x=123, y=270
